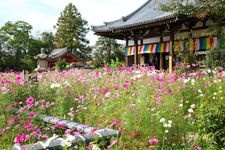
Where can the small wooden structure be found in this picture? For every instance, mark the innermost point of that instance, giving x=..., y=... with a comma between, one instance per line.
x=155, y=37
x=61, y=54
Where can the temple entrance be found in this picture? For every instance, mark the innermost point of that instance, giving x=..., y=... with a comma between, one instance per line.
x=130, y=60
x=154, y=60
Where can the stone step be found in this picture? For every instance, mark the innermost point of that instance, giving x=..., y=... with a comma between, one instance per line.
x=87, y=135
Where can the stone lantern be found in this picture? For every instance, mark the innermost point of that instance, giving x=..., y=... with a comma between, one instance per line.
x=42, y=61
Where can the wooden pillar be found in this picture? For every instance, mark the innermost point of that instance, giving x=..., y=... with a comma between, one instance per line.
x=171, y=51
x=161, y=56
x=126, y=58
x=136, y=51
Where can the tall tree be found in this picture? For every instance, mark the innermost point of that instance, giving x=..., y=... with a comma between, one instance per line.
x=47, y=39
x=107, y=49
x=71, y=32
x=14, y=41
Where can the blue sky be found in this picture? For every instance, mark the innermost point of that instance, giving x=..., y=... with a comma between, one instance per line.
x=43, y=14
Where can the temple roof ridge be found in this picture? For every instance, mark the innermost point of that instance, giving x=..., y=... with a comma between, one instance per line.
x=146, y=13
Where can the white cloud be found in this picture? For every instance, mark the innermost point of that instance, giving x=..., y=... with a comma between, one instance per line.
x=43, y=14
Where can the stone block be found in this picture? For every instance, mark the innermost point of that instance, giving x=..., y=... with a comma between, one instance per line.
x=71, y=125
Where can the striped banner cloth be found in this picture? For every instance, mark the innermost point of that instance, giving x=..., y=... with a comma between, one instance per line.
x=130, y=50
x=149, y=49
x=195, y=44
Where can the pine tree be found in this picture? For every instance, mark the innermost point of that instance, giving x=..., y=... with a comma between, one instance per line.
x=71, y=32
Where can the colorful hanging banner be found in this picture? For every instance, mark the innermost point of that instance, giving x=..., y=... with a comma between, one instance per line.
x=195, y=44
x=130, y=50
x=207, y=43
x=154, y=48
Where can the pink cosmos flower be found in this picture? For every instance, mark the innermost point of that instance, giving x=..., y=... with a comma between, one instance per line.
x=21, y=138
x=113, y=143
x=134, y=134
x=114, y=123
x=199, y=148
x=27, y=124
x=59, y=125
x=153, y=141
x=125, y=85
x=75, y=133
x=16, y=103
x=32, y=114
x=30, y=100
x=158, y=100
x=68, y=131
x=48, y=104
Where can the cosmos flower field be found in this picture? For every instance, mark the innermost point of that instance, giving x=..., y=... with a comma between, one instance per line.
x=151, y=109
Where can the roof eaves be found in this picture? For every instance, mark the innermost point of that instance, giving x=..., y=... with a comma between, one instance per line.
x=171, y=16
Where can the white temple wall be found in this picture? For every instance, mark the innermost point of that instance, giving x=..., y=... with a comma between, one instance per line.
x=130, y=43
x=166, y=38
x=151, y=40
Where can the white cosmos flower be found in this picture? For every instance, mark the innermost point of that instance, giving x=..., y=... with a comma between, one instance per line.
x=165, y=125
x=162, y=120
x=199, y=91
x=166, y=131
x=193, y=106
x=186, y=80
x=169, y=125
x=170, y=121
x=54, y=85
x=68, y=141
x=190, y=110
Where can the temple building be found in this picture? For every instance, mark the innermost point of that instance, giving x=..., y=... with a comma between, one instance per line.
x=61, y=54
x=157, y=38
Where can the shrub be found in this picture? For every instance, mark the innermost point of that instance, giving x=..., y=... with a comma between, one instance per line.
x=215, y=58
x=61, y=65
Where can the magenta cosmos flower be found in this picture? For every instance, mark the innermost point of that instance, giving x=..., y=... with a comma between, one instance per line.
x=153, y=141
x=27, y=124
x=21, y=138
x=30, y=100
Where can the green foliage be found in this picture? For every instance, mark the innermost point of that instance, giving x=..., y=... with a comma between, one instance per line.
x=61, y=65
x=71, y=30
x=108, y=51
x=212, y=123
x=18, y=47
x=115, y=64
x=47, y=39
x=14, y=41
x=215, y=58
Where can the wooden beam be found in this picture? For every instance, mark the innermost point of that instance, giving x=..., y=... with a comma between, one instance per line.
x=136, y=50
x=161, y=56
x=171, y=52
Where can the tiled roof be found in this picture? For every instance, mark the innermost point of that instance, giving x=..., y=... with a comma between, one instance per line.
x=147, y=13
x=58, y=53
